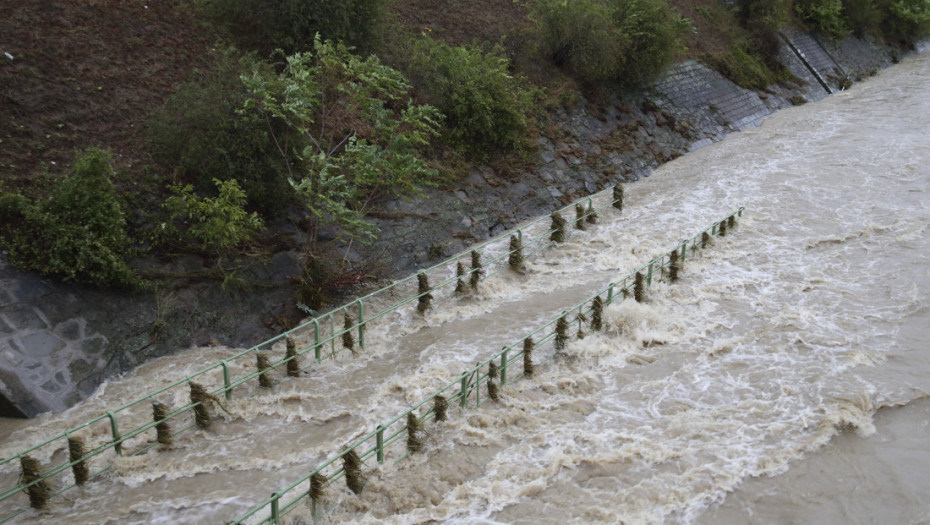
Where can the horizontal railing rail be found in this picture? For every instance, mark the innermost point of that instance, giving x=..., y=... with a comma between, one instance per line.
x=321, y=330
x=375, y=444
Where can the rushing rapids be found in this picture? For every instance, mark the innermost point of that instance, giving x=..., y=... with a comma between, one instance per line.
x=717, y=400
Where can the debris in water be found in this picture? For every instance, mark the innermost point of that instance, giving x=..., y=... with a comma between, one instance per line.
x=425, y=299
x=38, y=488
x=162, y=428
x=76, y=455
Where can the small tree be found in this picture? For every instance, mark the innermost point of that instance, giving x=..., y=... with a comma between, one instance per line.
x=356, y=139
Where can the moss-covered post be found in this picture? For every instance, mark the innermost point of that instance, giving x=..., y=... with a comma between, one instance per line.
x=293, y=365
x=618, y=196
x=76, y=455
x=558, y=228
x=414, y=444
x=493, y=374
x=353, y=469
x=516, y=255
x=561, y=333
x=459, y=273
x=348, y=342
x=200, y=397
x=528, y=347
x=731, y=222
x=722, y=228
x=597, y=311
x=639, y=288
x=317, y=480
x=477, y=270
x=440, y=407
x=38, y=491
x=673, y=265
x=263, y=364
x=704, y=238
x=424, y=302
x=579, y=217
x=162, y=428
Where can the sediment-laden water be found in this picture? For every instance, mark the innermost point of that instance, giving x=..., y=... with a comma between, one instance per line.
x=783, y=379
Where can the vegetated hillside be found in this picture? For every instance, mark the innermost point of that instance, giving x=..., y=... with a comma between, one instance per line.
x=87, y=73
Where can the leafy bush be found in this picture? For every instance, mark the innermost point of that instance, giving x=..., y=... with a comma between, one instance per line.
x=905, y=21
x=291, y=25
x=621, y=40
x=79, y=233
x=200, y=134
x=862, y=16
x=485, y=107
x=763, y=19
x=220, y=223
x=746, y=69
x=825, y=16
x=357, y=141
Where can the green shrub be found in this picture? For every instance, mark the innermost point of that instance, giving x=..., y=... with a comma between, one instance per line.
x=78, y=234
x=627, y=41
x=762, y=19
x=200, y=135
x=746, y=69
x=485, y=107
x=825, y=16
x=905, y=21
x=220, y=223
x=862, y=16
x=291, y=25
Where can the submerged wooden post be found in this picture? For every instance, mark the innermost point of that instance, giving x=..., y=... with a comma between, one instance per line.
x=38, y=490
x=561, y=333
x=440, y=407
x=347, y=340
x=200, y=397
x=477, y=270
x=673, y=265
x=723, y=228
x=353, y=469
x=579, y=217
x=528, y=346
x=76, y=455
x=516, y=255
x=704, y=238
x=162, y=428
x=731, y=222
x=493, y=374
x=558, y=228
x=424, y=302
x=459, y=273
x=317, y=480
x=618, y=197
x=597, y=309
x=414, y=444
x=263, y=364
x=639, y=288
x=293, y=366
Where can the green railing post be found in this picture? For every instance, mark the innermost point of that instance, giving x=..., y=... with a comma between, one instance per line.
x=520, y=235
x=332, y=333
x=361, y=325
x=226, y=383
x=610, y=294
x=649, y=273
x=379, y=445
x=504, y=367
x=117, y=446
x=275, y=514
x=684, y=250
x=464, y=388
x=316, y=341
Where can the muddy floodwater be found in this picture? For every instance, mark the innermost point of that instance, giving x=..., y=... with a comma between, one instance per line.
x=783, y=379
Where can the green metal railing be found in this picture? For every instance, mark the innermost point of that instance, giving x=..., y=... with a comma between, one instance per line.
x=134, y=418
x=466, y=388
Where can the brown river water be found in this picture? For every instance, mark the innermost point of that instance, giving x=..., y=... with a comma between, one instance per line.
x=783, y=379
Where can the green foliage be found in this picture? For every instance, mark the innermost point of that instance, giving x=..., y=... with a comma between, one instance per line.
x=79, y=233
x=746, y=69
x=825, y=16
x=219, y=224
x=292, y=25
x=862, y=16
x=762, y=19
x=627, y=41
x=200, y=134
x=905, y=21
x=485, y=106
x=357, y=140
